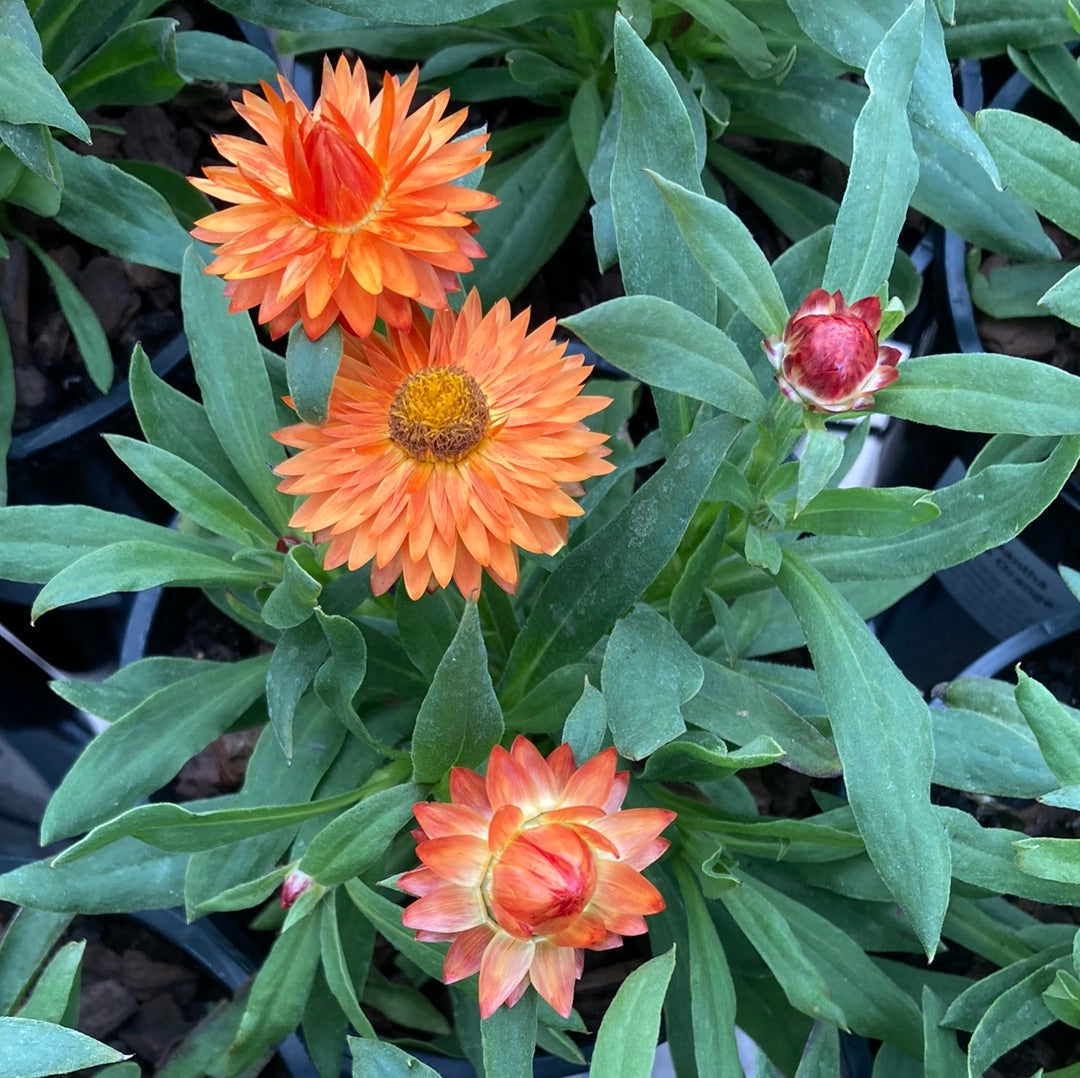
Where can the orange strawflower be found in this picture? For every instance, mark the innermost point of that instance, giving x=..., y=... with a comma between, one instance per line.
x=448, y=446
x=529, y=866
x=344, y=212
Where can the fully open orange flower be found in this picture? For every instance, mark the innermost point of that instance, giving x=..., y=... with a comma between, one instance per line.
x=346, y=211
x=529, y=866
x=447, y=447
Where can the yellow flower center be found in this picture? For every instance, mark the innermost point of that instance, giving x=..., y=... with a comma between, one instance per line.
x=439, y=413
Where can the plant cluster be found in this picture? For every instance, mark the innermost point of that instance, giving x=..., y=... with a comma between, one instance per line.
x=573, y=660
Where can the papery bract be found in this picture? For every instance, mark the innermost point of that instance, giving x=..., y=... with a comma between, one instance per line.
x=829, y=359
x=528, y=867
x=448, y=447
x=344, y=212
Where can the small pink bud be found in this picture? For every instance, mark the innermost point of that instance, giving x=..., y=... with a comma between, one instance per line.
x=829, y=359
x=287, y=541
x=296, y=883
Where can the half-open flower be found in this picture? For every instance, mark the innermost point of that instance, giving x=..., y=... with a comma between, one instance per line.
x=448, y=447
x=345, y=211
x=829, y=359
x=528, y=867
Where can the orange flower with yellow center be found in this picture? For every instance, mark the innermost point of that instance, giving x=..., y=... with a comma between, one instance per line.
x=448, y=447
x=528, y=867
x=344, y=212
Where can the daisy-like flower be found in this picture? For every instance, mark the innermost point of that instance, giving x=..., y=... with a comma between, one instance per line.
x=829, y=359
x=344, y=212
x=528, y=867
x=448, y=446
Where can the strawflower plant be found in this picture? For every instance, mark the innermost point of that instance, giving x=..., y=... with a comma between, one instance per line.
x=524, y=683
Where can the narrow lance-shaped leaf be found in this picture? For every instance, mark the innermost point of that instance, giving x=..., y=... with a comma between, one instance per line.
x=460, y=719
x=1056, y=730
x=509, y=1039
x=626, y=1041
x=882, y=731
x=33, y=1049
x=723, y=245
x=602, y=577
x=884, y=168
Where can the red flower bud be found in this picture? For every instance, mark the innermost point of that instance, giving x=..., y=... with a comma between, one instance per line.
x=829, y=359
x=296, y=883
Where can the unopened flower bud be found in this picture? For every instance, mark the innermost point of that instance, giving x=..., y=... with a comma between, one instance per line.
x=296, y=883
x=829, y=359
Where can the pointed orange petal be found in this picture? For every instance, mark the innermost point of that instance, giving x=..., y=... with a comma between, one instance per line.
x=591, y=784
x=505, y=963
x=439, y=819
x=621, y=889
x=633, y=829
x=466, y=953
x=460, y=859
x=553, y=972
x=447, y=909
x=467, y=788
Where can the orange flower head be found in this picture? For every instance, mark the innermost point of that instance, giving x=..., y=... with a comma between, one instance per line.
x=448, y=447
x=528, y=867
x=346, y=211
x=829, y=359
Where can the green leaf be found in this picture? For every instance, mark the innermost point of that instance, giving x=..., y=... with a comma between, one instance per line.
x=278, y=994
x=853, y=28
x=123, y=878
x=882, y=731
x=335, y=967
x=460, y=719
x=245, y=895
x=746, y=40
x=541, y=194
x=509, y=1039
x=987, y=27
x=738, y=707
x=873, y=512
x=311, y=366
x=344, y=670
x=85, y=326
x=712, y=993
x=626, y=1040
x=418, y=12
x=943, y=1056
x=191, y=492
x=816, y=108
x=385, y=916
x=105, y=206
x=295, y=596
x=766, y=928
x=179, y=830
x=648, y=672
x=213, y=58
x=135, y=66
x=599, y=579
x=1062, y=998
x=138, y=564
x=30, y=95
x=1018, y=1013
x=884, y=168
x=1037, y=161
x=985, y=392
x=1056, y=730
x=982, y=754
x=235, y=387
x=32, y=1049
x=821, y=1056
x=654, y=133
x=28, y=938
x=699, y=757
x=1055, y=859
x=355, y=840
x=821, y=455
x=177, y=424
x=294, y=662
x=586, y=118
x=723, y=245
x=427, y=626
x=661, y=343
x=55, y=997
x=586, y=724
x=381, y=1059
x=143, y=750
